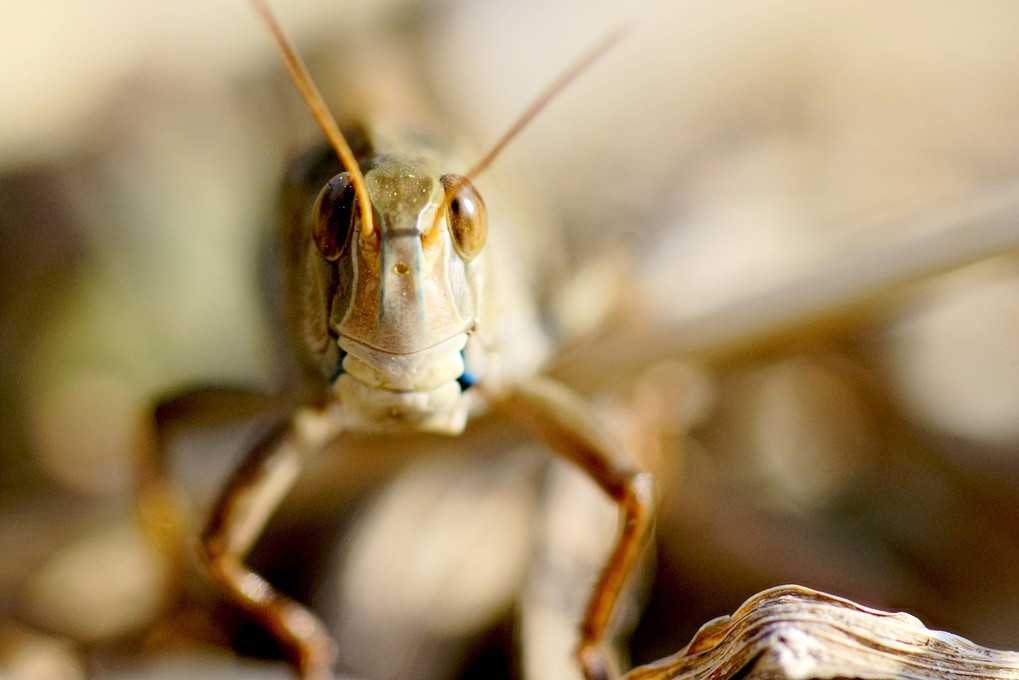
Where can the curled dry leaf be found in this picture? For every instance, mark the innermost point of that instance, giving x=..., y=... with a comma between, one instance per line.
x=797, y=633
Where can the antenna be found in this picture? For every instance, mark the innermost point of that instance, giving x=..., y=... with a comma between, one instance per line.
x=313, y=98
x=580, y=65
x=565, y=78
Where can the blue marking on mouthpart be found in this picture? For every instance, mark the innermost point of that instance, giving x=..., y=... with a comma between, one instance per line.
x=467, y=378
x=339, y=368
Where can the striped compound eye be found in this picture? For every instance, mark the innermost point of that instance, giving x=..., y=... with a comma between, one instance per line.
x=333, y=217
x=468, y=219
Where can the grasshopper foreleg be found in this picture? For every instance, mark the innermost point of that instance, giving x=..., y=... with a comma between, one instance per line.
x=238, y=519
x=564, y=422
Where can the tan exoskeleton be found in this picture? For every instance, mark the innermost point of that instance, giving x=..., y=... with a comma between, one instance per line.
x=397, y=305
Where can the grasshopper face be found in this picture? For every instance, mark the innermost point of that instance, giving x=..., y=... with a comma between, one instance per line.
x=400, y=303
x=409, y=289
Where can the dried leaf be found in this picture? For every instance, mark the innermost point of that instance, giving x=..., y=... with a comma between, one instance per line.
x=796, y=633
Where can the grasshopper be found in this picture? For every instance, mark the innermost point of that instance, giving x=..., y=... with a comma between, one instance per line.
x=409, y=313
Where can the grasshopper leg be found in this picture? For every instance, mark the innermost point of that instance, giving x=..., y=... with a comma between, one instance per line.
x=564, y=422
x=203, y=406
x=159, y=504
x=237, y=521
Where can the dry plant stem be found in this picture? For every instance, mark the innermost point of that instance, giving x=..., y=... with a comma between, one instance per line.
x=245, y=505
x=979, y=226
x=794, y=633
x=568, y=426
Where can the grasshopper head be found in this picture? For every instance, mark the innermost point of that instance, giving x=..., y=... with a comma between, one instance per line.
x=408, y=289
x=410, y=283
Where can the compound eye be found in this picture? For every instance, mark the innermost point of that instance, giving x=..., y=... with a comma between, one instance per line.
x=333, y=217
x=468, y=219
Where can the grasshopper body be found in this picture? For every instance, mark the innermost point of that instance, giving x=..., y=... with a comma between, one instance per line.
x=409, y=313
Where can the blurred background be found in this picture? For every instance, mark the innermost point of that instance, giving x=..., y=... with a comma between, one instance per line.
x=720, y=149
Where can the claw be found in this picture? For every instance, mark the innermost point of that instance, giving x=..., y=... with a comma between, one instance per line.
x=593, y=662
